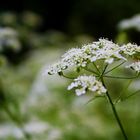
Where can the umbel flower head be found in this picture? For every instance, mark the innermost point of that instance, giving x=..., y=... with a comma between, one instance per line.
x=86, y=83
x=104, y=50
x=100, y=50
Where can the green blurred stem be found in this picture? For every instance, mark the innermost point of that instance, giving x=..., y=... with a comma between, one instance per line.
x=17, y=122
x=115, y=112
x=138, y=91
x=95, y=97
x=123, y=91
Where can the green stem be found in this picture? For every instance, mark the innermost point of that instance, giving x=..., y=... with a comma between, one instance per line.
x=96, y=67
x=117, y=77
x=68, y=77
x=89, y=70
x=101, y=74
x=123, y=91
x=95, y=97
x=115, y=112
x=138, y=91
x=17, y=122
x=115, y=67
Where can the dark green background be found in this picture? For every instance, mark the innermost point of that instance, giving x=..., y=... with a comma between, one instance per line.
x=95, y=17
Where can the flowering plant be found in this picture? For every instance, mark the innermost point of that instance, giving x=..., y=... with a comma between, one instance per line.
x=104, y=51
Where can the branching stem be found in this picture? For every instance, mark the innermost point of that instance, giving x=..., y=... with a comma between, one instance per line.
x=115, y=67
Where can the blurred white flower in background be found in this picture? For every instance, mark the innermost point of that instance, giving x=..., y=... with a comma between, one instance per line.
x=9, y=39
x=133, y=22
x=35, y=127
x=55, y=134
x=9, y=130
x=32, y=128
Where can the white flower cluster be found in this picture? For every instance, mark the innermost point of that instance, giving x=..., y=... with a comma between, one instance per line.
x=130, y=49
x=135, y=66
x=75, y=56
x=56, y=68
x=101, y=50
x=86, y=83
x=104, y=49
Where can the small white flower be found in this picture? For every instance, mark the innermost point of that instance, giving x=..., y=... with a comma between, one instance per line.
x=84, y=83
x=135, y=66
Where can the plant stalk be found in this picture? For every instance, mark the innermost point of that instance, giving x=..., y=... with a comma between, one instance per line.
x=115, y=112
x=17, y=122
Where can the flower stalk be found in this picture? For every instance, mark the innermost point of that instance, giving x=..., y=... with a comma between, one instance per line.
x=115, y=112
